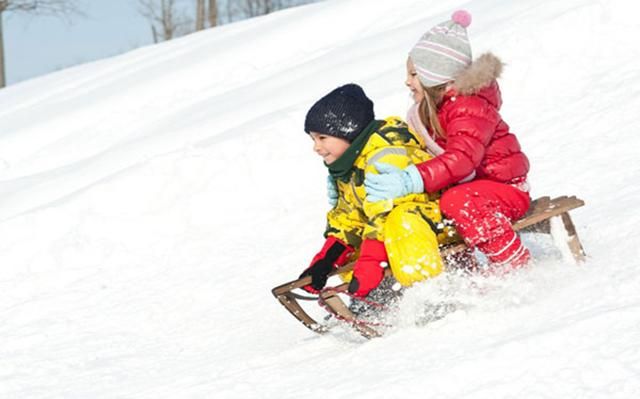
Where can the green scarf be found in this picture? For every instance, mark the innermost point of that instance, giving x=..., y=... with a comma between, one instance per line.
x=342, y=168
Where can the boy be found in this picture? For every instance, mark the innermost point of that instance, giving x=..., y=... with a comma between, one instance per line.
x=401, y=231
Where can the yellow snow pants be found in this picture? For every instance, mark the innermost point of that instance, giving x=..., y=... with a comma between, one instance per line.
x=412, y=243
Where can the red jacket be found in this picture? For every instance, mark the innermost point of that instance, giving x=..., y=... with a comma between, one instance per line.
x=477, y=137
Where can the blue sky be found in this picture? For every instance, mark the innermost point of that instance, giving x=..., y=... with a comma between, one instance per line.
x=39, y=45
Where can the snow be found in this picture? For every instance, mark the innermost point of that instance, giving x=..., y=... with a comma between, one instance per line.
x=150, y=201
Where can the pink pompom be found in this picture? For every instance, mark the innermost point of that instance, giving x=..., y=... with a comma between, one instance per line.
x=461, y=17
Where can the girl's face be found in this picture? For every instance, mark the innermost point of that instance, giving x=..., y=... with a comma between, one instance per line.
x=330, y=148
x=413, y=83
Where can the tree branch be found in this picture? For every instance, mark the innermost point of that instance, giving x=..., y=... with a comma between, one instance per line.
x=42, y=7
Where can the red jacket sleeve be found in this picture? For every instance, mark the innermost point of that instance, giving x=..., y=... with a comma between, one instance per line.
x=469, y=123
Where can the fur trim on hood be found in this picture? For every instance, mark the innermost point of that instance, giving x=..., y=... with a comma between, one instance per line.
x=484, y=70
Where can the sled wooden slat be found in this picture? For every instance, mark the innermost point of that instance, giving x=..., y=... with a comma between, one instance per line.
x=554, y=207
x=538, y=206
x=337, y=306
x=537, y=219
x=574, y=242
x=293, y=306
x=290, y=302
x=292, y=285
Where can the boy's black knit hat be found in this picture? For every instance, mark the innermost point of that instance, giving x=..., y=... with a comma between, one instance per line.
x=343, y=113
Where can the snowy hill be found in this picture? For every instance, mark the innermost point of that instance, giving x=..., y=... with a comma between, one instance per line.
x=150, y=201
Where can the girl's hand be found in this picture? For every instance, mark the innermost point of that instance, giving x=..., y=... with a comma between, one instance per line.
x=392, y=182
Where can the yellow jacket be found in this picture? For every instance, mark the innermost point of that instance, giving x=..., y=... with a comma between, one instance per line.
x=353, y=218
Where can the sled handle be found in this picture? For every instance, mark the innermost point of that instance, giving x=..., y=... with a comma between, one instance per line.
x=299, y=283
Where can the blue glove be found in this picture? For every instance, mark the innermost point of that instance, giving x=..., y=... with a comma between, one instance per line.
x=392, y=182
x=332, y=191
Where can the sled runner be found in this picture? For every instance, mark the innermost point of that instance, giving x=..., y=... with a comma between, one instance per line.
x=543, y=213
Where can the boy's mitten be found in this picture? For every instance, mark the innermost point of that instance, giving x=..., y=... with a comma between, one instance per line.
x=332, y=191
x=334, y=254
x=369, y=268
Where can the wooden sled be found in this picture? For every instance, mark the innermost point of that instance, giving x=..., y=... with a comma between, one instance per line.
x=538, y=219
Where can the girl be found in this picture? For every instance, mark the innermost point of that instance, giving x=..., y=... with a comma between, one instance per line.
x=456, y=110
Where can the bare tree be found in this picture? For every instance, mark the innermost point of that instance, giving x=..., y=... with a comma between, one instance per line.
x=167, y=19
x=213, y=13
x=206, y=11
x=241, y=9
x=58, y=8
x=253, y=8
x=200, y=14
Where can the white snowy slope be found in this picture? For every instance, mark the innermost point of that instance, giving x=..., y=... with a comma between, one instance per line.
x=149, y=202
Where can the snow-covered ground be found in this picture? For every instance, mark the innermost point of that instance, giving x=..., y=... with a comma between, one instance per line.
x=150, y=201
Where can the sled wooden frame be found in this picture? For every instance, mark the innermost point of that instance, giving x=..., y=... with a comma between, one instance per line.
x=537, y=219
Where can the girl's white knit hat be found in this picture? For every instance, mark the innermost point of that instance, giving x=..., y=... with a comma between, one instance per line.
x=443, y=51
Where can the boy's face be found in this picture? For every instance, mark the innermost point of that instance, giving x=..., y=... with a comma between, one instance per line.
x=413, y=83
x=330, y=148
